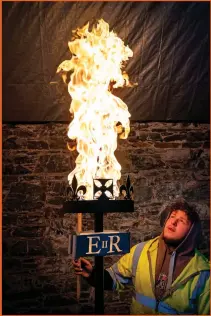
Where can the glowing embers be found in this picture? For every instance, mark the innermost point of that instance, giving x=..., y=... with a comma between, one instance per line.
x=98, y=116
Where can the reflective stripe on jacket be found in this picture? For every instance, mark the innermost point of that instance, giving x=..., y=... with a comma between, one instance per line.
x=188, y=294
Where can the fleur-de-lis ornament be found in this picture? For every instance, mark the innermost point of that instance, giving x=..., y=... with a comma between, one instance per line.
x=73, y=192
x=127, y=190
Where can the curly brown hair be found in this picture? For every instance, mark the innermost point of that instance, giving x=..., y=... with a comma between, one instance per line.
x=182, y=205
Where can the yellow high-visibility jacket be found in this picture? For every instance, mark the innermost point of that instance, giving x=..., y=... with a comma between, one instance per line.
x=189, y=294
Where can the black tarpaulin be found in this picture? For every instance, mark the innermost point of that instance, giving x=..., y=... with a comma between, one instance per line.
x=170, y=42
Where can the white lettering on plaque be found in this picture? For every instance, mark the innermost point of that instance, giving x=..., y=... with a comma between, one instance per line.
x=91, y=245
x=112, y=243
x=105, y=244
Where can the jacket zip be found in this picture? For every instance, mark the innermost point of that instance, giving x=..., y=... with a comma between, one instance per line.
x=170, y=275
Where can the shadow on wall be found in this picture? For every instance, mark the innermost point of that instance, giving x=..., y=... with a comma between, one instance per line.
x=38, y=276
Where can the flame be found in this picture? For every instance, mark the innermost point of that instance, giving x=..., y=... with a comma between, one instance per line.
x=96, y=64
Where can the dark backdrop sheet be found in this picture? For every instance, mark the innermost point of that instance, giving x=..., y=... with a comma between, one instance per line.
x=170, y=41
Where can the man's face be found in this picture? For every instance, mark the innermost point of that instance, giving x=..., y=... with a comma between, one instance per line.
x=177, y=226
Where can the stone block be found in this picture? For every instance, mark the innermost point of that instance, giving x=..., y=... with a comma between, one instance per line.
x=168, y=190
x=143, y=194
x=25, y=196
x=192, y=145
x=57, y=142
x=30, y=231
x=167, y=145
x=195, y=194
x=40, y=247
x=15, y=247
x=13, y=142
x=175, y=137
x=37, y=144
x=54, y=163
x=144, y=162
x=206, y=144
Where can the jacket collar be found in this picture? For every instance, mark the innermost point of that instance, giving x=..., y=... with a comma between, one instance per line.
x=153, y=246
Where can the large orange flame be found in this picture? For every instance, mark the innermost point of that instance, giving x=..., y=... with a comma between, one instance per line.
x=98, y=115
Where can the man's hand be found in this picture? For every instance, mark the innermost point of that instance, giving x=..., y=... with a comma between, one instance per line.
x=82, y=267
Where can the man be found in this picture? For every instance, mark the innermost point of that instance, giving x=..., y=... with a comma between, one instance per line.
x=169, y=275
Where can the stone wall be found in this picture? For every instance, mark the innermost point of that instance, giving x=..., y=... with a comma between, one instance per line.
x=164, y=160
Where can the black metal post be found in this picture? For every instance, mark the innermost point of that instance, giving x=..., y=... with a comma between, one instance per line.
x=98, y=207
x=99, y=265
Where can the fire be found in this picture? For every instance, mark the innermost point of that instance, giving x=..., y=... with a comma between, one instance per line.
x=96, y=65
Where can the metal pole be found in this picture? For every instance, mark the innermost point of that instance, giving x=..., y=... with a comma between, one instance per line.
x=79, y=230
x=99, y=265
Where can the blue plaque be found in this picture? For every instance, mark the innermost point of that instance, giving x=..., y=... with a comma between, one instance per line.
x=105, y=243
